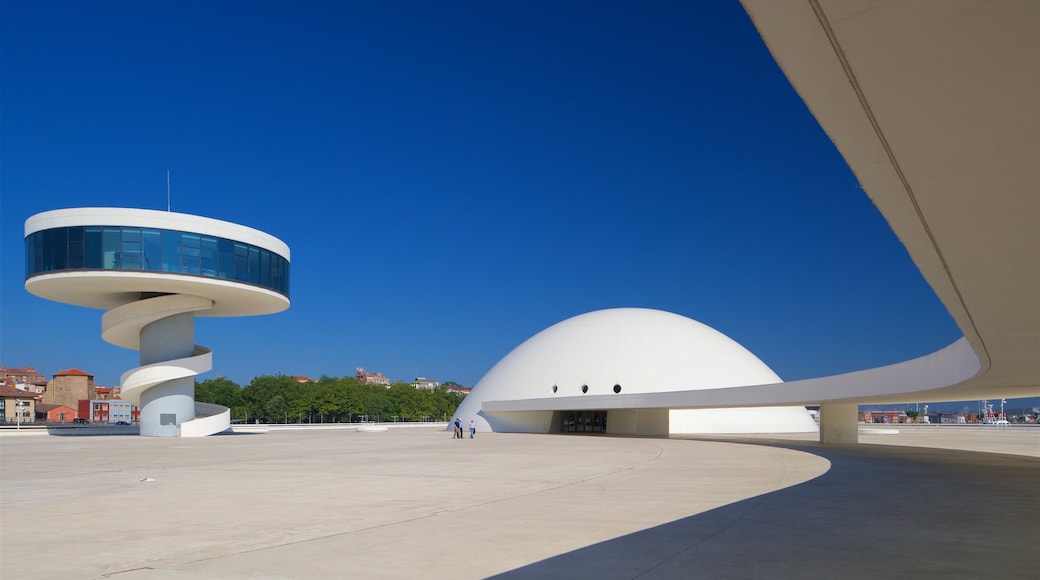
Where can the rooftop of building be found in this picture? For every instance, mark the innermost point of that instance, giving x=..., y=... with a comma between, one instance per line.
x=73, y=373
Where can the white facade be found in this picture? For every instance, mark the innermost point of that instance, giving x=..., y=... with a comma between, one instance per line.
x=629, y=351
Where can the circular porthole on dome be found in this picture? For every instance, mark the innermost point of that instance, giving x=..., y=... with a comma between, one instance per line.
x=554, y=388
x=617, y=388
x=584, y=388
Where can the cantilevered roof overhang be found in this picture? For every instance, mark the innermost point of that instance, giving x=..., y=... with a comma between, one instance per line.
x=936, y=108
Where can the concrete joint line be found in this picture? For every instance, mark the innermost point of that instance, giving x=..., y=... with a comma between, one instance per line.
x=839, y=53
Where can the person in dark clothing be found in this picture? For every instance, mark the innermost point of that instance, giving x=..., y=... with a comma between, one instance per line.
x=458, y=429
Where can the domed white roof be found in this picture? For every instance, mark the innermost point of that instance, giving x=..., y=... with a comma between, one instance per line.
x=635, y=350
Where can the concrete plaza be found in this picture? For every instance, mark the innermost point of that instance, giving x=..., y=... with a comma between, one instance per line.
x=415, y=503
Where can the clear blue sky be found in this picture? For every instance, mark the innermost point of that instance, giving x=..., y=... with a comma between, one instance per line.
x=452, y=178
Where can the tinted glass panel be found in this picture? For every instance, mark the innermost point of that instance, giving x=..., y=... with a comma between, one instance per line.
x=75, y=255
x=151, y=244
x=265, y=268
x=241, y=262
x=92, y=247
x=171, y=251
x=226, y=258
x=56, y=249
x=127, y=248
x=254, y=265
x=209, y=256
x=112, y=241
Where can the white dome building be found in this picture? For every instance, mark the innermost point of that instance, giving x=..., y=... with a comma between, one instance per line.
x=562, y=378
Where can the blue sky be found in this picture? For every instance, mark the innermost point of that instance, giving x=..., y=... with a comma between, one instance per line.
x=452, y=178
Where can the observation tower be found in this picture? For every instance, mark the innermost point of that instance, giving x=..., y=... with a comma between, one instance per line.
x=153, y=272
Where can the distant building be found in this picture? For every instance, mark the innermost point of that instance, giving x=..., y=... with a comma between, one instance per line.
x=304, y=379
x=17, y=406
x=425, y=384
x=368, y=378
x=69, y=387
x=94, y=411
x=107, y=411
x=24, y=378
x=887, y=416
x=55, y=413
x=952, y=419
x=453, y=387
x=122, y=412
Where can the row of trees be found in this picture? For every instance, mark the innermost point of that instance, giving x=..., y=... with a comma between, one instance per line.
x=281, y=399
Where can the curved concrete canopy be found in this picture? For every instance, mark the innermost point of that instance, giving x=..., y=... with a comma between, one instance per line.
x=109, y=289
x=583, y=362
x=934, y=107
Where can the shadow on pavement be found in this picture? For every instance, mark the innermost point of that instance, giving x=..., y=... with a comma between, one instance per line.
x=879, y=512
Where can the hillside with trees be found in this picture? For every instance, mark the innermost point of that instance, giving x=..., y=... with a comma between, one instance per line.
x=282, y=399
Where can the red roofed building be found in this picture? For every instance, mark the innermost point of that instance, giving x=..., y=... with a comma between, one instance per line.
x=69, y=387
x=55, y=413
x=16, y=406
x=23, y=377
x=368, y=378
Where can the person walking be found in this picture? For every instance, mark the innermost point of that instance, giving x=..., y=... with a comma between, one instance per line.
x=458, y=429
x=472, y=429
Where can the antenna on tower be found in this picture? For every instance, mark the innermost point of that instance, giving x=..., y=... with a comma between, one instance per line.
x=167, y=190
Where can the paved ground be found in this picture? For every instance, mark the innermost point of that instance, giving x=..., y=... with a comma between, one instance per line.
x=414, y=503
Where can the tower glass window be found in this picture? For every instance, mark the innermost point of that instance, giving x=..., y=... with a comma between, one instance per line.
x=156, y=250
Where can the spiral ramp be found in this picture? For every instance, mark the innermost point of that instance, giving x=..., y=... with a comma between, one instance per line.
x=162, y=328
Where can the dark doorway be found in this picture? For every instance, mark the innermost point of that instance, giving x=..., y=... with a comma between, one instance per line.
x=583, y=421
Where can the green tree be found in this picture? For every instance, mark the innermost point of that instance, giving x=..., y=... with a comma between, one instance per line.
x=378, y=404
x=280, y=398
x=219, y=391
x=408, y=401
x=275, y=410
x=327, y=399
x=263, y=389
x=354, y=397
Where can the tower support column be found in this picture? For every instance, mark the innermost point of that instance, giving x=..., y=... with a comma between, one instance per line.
x=165, y=406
